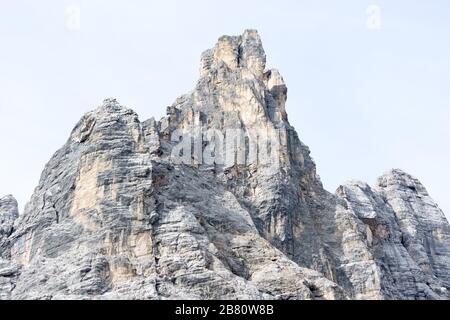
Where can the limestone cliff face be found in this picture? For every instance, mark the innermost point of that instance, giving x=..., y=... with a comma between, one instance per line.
x=220, y=199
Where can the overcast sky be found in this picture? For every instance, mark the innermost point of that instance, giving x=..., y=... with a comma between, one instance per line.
x=368, y=80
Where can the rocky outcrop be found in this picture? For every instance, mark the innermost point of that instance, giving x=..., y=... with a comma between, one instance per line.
x=219, y=199
x=9, y=212
x=396, y=239
x=8, y=270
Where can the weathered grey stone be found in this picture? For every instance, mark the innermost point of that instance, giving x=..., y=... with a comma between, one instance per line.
x=9, y=271
x=117, y=216
x=383, y=259
x=9, y=212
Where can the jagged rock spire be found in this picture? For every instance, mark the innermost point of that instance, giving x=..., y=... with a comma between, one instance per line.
x=245, y=51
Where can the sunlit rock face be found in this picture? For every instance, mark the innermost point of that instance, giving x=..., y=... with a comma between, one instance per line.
x=217, y=200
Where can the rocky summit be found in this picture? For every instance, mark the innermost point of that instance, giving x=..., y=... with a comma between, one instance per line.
x=217, y=200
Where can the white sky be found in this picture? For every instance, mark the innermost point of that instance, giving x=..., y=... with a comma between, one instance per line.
x=364, y=100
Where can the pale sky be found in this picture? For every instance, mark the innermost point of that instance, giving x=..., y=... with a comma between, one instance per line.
x=365, y=99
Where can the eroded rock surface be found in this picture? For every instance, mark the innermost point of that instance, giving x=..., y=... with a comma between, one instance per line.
x=396, y=239
x=9, y=271
x=124, y=210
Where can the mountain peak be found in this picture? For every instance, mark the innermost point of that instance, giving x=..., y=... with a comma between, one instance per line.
x=111, y=103
x=235, y=53
x=9, y=204
x=399, y=179
x=8, y=197
x=9, y=212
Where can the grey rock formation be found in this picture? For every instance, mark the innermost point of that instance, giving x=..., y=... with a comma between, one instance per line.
x=191, y=207
x=8, y=270
x=396, y=237
x=9, y=212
